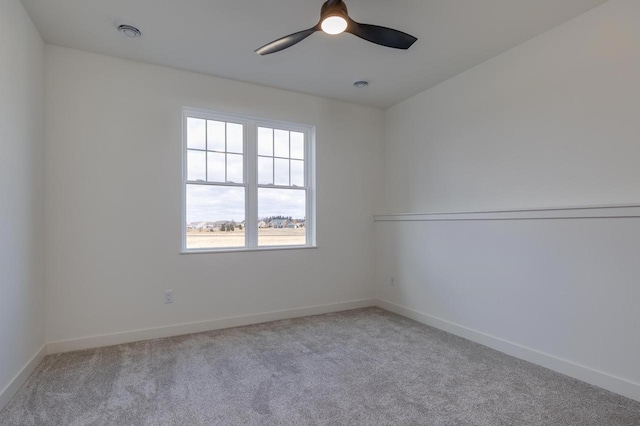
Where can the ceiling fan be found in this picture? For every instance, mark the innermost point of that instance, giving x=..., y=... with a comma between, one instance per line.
x=334, y=19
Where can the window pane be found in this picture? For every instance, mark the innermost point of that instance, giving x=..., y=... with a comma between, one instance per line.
x=195, y=133
x=234, y=138
x=282, y=172
x=265, y=170
x=215, y=135
x=265, y=141
x=215, y=167
x=281, y=142
x=297, y=173
x=196, y=165
x=281, y=217
x=297, y=145
x=215, y=216
x=234, y=168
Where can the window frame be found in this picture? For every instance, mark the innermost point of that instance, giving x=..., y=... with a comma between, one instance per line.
x=250, y=178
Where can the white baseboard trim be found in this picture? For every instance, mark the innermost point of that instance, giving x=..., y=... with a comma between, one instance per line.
x=564, y=366
x=16, y=383
x=586, y=374
x=197, y=327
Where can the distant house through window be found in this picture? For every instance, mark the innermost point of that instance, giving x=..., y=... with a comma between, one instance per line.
x=247, y=183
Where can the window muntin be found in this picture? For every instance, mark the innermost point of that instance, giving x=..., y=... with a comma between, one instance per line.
x=215, y=151
x=247, y=183
x=280, y=157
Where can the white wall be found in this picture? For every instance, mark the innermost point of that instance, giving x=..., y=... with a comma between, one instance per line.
x=553, y=122
x=113, y=182
x=21, y=192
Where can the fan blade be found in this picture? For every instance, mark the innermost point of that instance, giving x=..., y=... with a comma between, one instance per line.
x=284, y=42
x=381, y=35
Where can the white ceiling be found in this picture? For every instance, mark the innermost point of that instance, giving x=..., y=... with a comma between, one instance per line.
x=218, y=37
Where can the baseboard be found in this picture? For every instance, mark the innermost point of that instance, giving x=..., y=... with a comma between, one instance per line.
x=197, y=327
x=564, y=366
x=586, y=374
x=10, y=390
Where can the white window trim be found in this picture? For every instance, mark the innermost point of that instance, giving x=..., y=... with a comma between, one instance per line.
x=250, y=184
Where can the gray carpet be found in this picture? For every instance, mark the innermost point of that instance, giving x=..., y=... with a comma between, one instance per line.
x=362, y=367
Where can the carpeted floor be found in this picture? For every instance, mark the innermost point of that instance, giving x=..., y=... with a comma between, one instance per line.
x=362, y=367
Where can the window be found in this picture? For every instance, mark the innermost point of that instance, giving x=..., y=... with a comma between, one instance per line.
x=247, y=183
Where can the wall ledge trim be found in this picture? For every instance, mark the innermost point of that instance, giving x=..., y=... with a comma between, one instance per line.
x=611, y=211
x=19, y=379
x=111, y=339
x=569, y=368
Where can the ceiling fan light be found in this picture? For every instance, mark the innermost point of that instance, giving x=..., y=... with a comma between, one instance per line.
x=334, y=25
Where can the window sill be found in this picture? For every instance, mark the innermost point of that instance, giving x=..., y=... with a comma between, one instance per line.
x=245, y=249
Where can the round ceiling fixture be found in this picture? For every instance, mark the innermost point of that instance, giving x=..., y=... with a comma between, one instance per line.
x=334, y=25
x=360, y=84
x=129, y=31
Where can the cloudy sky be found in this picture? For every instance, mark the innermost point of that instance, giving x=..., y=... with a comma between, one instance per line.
x=206, y=203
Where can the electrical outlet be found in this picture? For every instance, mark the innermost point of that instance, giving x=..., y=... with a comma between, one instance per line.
x=168, y=296
x=392, y=281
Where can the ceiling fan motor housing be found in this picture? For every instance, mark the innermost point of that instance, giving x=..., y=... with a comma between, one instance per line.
x=334, y=8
